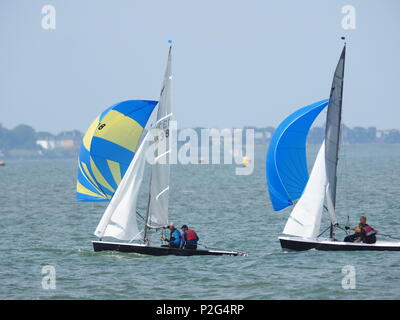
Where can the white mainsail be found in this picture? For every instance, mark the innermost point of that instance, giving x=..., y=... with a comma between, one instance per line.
x=119, y=219
x=305, y=219
x=157, y=214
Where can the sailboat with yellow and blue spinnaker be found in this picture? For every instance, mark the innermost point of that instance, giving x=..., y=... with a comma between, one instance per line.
x=111, y=168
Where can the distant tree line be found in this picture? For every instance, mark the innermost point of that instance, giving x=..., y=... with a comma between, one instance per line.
x=357, y=135
x=24, y=141
x=21, y=137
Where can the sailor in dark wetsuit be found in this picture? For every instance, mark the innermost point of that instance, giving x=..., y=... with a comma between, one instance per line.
x=189, y=238
x=363, y=232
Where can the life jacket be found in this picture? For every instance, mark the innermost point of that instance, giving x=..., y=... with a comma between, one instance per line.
x=368, y=230
x=191, y=235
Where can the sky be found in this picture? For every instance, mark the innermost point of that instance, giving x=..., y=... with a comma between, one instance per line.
x=235, y=62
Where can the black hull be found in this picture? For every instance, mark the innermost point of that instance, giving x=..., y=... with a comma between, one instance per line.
x=299, y=245
x=157, y=251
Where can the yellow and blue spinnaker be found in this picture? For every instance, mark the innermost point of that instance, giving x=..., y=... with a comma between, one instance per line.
x=109, y=146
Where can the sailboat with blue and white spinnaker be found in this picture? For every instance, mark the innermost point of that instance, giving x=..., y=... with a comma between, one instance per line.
x=289, y=183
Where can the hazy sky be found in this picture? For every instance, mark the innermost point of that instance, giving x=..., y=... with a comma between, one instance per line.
x=235, y=62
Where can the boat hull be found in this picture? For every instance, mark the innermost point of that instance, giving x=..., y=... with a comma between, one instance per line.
x=157, y=251
x=303, y=244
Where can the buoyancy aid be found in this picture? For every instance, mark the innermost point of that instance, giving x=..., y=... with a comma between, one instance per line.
x=191, y=235
x=368, y=230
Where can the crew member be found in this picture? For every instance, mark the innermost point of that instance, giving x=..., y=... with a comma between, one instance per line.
x=363, y=232
x=189, y=238
x=174, y=237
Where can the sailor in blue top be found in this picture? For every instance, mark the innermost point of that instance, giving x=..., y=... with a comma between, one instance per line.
x=174, y=236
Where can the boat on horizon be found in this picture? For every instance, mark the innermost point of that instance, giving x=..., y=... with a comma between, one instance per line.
x=289, y=183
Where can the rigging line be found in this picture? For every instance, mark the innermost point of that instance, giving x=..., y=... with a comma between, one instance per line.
x=387, y=235
x=297, y=221
x=338, y=226
x=136, y=235
x=327, y=210
x=138, y=213
x=324, y=231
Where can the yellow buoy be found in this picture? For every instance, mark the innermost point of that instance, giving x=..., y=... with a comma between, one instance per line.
x=245, y=161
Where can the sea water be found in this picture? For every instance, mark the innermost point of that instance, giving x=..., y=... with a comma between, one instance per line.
x=44, y=228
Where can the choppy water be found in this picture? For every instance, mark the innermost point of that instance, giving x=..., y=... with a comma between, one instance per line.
x=42, y=224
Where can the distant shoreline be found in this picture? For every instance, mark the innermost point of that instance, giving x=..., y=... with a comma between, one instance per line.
x=24, y=142
x=74, y=156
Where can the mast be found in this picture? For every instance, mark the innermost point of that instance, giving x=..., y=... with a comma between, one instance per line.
x=332, y=136
x=157, y=208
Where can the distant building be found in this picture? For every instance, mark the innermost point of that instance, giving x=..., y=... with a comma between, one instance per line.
x=65, y=140
x=68, y=140
x=46, y=140
x=261, y=135
x=348, y=135
x=359, y=134
x=47, y=144
x=391, y=136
